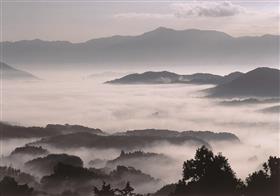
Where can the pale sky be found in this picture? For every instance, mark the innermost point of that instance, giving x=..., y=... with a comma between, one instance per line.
x=79, y=21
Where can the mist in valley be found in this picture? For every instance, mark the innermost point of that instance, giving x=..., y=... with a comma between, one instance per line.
x=81, y=97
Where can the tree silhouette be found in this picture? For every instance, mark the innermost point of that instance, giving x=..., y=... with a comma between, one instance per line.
x=208, y=174
x=105, y=190
x=128, y=190
x=265, y=181
x=181, y=189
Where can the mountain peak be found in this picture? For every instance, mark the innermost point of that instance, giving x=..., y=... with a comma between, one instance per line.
x=187, y=32
x=160, y=30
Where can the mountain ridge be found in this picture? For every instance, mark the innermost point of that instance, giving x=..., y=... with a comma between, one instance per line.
x=157, y=46
x=160, y=28
x=166, y=77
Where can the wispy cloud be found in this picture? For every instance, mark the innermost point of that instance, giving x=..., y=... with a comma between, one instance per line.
x=195, y=8
x=207, y=9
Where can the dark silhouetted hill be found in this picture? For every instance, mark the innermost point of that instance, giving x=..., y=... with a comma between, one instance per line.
x=260, y=82
x=19, y=176
x=9, y=187
x=73, y=129
x=201, y=78
x=85, y=139
x=11, y=131
x=66, y=177
x=81, y=179
x=29, y=150
x=165, y=77
x=232, y=76
x=45, y=165
x=203, y=135
x=150, y=77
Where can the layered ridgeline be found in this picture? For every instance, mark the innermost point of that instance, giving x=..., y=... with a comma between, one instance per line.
x=159, y=46
x=165, y=77
x=260, y=82
x=89, y=140
x=74, y=136
x=204, y=135
x=12, y=131
x=10, y=73
x=138, y=158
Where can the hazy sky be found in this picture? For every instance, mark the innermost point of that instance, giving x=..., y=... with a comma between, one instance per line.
x=83, y=20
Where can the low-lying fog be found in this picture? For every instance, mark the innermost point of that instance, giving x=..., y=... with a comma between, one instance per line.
x=112, y=108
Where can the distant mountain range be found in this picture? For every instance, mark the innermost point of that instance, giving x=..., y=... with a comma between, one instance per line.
x=10, y=73
x=260, y=82
x=162, y=45
x=165, y=77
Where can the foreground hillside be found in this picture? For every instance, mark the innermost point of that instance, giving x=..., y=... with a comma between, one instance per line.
x=206, y=174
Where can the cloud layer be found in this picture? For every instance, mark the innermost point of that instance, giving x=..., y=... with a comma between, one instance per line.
x=207, y=9
x=185, y=10
x=115, y=108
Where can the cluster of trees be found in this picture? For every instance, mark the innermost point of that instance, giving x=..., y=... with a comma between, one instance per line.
x=136, y=154
x=209, y=174
x=265, y=181
x=106, y=190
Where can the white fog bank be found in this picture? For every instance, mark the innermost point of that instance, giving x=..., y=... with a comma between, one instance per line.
x=112, y=108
